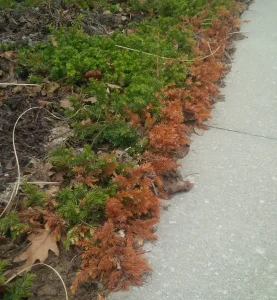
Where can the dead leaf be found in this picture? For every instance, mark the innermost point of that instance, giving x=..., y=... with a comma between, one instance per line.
x=90, y=100
x=38, y=250
x=3, y=96
x=86, y=122
x=43, y=103
x=50, y=87
x=39, y=171
x=179, y=186
x=96, y=74
x=18, y=89
x=52, y=191
x=53, y=41
x=113, y=86
x=198, y=131
x=131, y=31
x=138, y=241
x=100, y=297
x=33, y=91
x=65, y=103
x=10, y=55
x=58, y=177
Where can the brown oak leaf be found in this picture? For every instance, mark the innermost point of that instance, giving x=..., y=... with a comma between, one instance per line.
x=41, y=243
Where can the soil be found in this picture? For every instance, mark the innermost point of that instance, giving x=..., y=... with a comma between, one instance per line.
x=30, y=134
x=25, y=25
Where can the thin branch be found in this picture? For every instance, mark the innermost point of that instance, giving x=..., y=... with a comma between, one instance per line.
x=237, y=32
x=20, y=84
x=226, y=53
x=94, y=140
x=147, y=53
x=43, y=182
x=211, y=53
x=211, y=50
x=163, y=57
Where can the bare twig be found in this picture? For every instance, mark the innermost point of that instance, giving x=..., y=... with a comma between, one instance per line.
x=19, y=84
x=237, y=32
x=210, y=50
x=168, y=58
x=147, y=53
x=154, y=188
x=38, y=264
x=211, y=53
x=94, y=140
x=226, y=53
x=43, y=182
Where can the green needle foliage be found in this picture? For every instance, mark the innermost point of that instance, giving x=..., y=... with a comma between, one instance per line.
x=11, y=225
x=18, y=289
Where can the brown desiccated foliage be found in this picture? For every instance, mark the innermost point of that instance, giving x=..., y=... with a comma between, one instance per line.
x=131, y=213
x=113, y=255
x=95, y=74
x=39, y=219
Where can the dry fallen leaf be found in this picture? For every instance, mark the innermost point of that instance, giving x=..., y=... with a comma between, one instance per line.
x=10, y=55
x=138, y=241
x=43, y=103
x=33, y=91
x=18, y=89
x=90, y=100
x=50, y=87
x=198, y=131
x=65, y=103
x=86, y=122
x=58, y=177
x=179, y=186
x=113, y=86
x=39, y=171
x=53, y=41
x=131, y=31
x=52, y=191
x=38, y=250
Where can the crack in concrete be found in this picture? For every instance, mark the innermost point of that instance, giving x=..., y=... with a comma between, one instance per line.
x=242, y=132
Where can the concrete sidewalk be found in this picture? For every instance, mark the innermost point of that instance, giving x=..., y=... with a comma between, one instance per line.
x=219, y=241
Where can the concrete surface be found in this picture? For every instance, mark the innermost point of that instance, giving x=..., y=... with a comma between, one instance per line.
x=219, y=241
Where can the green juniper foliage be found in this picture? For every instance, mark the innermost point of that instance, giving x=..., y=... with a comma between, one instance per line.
x=139, y=74
x=82, y=203
x=18, y=289
x=134, y=72
x=12, y=225
x=34, y=195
